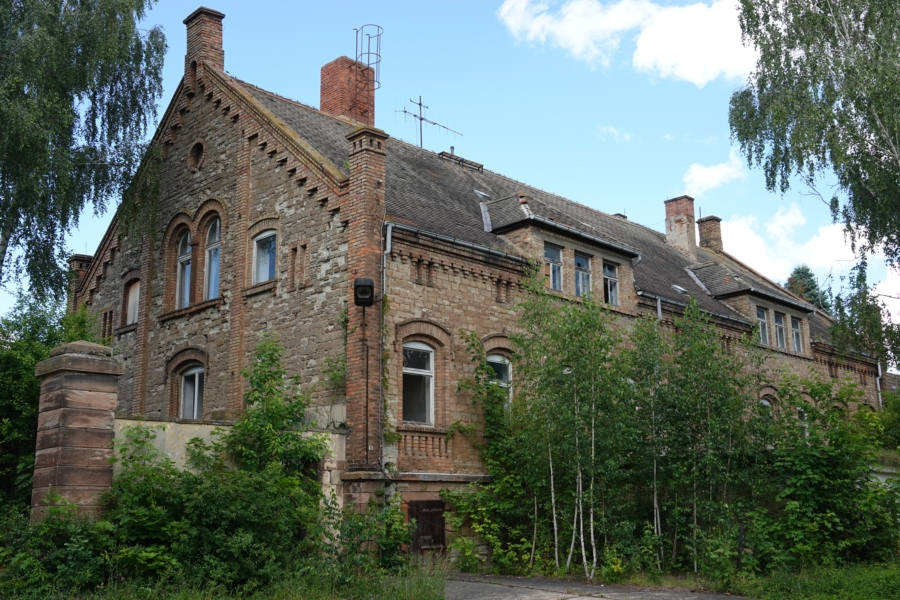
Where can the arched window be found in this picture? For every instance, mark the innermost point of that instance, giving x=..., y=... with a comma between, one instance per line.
x=132, y=299
x=502, y=373
x=418, y=383
x=213, y=259
x=183, y=273
x=191, y=396
x=264, y=256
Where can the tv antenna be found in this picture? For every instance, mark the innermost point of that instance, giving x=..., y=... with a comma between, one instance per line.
x=423, y=119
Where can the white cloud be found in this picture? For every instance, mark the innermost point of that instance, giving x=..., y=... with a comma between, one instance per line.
x=699, y=179
x=588, y=29
x=785, y=221
x=888, y=292
x=613, y=133
x=695, y=43
x=774, y=249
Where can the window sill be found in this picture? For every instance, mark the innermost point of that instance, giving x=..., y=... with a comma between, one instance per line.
x=259, y=288
x=125, y=329
x=190, y=310
x=407, y=427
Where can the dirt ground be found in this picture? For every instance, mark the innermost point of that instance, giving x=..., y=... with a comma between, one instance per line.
x=485, y=587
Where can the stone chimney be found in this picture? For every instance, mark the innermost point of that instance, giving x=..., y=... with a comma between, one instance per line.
x=711, y=233
x=348, y=89
x=680, y=225
x=204, y=42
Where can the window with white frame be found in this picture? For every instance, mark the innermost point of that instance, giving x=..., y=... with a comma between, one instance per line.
x=780, y=337
x=418, y=383
x=611, y=283
x=762, y=319
x=132, y=299
x=183, y=275
x=502, y=375
x=582, y=274
x=213, y=259
x=553, y=262
x=264, y=256
x=796, y=335
x=192, y=393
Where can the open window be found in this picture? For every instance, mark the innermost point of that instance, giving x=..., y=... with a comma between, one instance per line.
x=611, y=283
x=553, y=265
x=418, y=383
x=191, y=397
x=502, y=375
x=264, y=257
x=213, y=259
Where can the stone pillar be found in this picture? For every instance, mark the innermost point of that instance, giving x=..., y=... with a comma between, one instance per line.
x=76, y=415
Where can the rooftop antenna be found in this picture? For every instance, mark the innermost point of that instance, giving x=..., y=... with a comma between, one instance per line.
x=422, y=119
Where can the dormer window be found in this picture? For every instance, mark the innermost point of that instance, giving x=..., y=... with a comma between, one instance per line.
x=762, y=318
x=780, y=340
x=582, y=274
x=796, y=335
x=611, y=283
x=553, y=266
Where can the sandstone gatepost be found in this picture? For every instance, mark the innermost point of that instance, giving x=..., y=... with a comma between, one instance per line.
x=76, y=419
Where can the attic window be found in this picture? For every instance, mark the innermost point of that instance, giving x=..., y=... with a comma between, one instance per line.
x=679, y=289
x=196, y=156
x=482, y=195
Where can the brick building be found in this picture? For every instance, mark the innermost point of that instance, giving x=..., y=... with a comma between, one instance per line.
x=269, y=210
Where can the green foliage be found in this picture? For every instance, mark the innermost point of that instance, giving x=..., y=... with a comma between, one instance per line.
x=803, y=283
x=78, y=89
x=862, y=322
x=247, y=516
x=852, y=582
x=823, y=98
x=654, y=454
x=890, y=420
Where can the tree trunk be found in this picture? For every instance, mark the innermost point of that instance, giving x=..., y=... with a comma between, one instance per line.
x=553, y=508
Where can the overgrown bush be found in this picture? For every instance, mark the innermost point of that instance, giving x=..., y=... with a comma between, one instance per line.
x=655, y=454
x=248, y=513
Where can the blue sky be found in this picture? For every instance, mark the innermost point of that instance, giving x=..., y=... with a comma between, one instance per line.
x=615, y=104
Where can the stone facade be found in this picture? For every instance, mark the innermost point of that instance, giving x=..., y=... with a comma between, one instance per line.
x=445, y=243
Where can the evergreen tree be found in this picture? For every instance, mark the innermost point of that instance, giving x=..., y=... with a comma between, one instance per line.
x=803, y=283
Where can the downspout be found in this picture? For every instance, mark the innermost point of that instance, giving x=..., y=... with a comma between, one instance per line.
x=388, y=232
x=878, y=387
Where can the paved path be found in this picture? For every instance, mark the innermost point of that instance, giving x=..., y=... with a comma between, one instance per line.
x=486, y=587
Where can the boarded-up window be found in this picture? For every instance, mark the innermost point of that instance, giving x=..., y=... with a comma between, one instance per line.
x=429, y=518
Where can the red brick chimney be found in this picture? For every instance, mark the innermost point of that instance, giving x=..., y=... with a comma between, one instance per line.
x=711, y=233
x=348, y=89
x=680, y=232
x=204, y=41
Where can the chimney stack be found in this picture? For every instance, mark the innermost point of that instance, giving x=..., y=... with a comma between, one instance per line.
x=204, y=42
x=348, y=89
x=680, y=226
x=711, y=233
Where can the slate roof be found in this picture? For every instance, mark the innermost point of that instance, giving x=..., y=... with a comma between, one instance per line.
x=437, y=194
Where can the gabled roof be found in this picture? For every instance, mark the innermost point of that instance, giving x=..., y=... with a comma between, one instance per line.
x=459, y=199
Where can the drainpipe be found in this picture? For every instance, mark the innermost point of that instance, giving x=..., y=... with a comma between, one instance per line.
x=878, y=387
x=388, y=232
